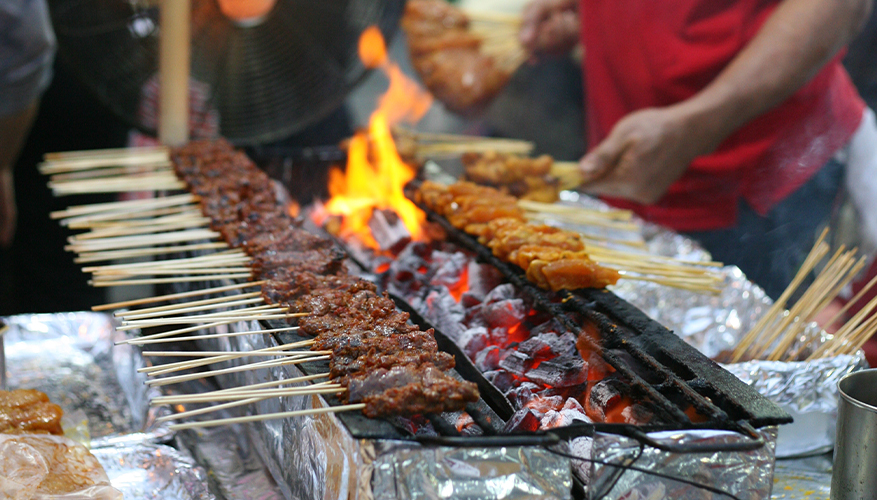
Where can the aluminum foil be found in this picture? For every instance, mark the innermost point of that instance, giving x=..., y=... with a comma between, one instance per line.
x=71, y=357
x=406, y=471
x=309, y=456
x=714, y=323
x=742, y=474
x=149, y=471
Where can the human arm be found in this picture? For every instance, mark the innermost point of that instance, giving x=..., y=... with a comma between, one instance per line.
x=13, y=131
x=649, y=149
x=549, y=26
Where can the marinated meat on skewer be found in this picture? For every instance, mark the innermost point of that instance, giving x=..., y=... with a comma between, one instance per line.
x=551, y=257
x=307, y=274
x=450, y=58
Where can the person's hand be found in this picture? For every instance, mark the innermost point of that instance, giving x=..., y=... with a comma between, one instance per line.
x=8, y=213
x=644, y=154
x=550, y=27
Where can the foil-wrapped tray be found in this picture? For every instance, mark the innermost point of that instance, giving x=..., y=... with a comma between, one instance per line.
x=714, y=323
x=72, y=358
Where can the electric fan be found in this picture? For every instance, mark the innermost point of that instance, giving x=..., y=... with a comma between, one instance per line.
x=266, y=79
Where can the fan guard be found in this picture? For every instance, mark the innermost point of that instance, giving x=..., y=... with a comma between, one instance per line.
x=267, y=81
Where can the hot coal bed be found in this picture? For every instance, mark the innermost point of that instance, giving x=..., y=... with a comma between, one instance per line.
x=582, y=396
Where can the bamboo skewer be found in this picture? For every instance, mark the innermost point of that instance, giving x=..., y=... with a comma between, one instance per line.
x=205, y=307
x=198, y=354
x=181, y=279
x=251, y=366
x=103, y=153
x=267, y=416
x=149, y=339
x=182, y=365
x=174, y=296
x=233, y=396
x=149, y=251
x=188, y=306
x=126, y=206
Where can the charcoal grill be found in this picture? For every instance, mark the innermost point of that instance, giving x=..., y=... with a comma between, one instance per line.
x=660, y=368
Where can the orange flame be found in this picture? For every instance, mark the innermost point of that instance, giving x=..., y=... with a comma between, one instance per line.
x=375, y=173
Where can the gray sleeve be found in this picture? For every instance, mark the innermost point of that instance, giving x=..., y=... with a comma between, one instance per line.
x=27, y=50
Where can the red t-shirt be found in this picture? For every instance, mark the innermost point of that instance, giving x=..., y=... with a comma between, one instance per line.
x=648, y=53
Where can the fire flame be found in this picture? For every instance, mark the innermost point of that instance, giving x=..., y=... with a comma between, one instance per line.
x=375, y=174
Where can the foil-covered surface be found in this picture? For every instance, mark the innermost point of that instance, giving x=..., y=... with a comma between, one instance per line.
x=716, y=323
x=408, y=471
x=308, y=456
x=71, y=357
x=744, y=474
x=150, y=471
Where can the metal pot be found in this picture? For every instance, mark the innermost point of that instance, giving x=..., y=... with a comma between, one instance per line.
x=855, y=452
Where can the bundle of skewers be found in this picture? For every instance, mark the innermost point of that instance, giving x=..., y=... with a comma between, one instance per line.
x=463, y=58
x=378, y=362
x=784, y=333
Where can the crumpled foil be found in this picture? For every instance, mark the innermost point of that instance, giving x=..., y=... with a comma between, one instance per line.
x=745, y=474
x=71, y=357
x=714, y=323
x=308, y=456
x=149, y=471
x=405, y=470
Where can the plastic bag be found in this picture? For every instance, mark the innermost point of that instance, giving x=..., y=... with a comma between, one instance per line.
x=47, y=467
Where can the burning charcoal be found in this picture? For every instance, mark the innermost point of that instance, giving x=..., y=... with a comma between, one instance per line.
x=524, y=420
x=603, y=397
x=466, y=426
x=505, y=291
x=504, y=313
x=573, y=404
x=517, y=362
x=562, y=418
x=502, y=379
x=452, y=269
x=445, y=313
x=388, y=230
x=542, y=405
x=636, y=414
x=482, y=279
x=473, y=340
x=560, y=372
x=488, y=359
x=500, y=336
x=519, y=396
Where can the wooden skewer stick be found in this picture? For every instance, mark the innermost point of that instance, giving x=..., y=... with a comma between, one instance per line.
x=199, y=222
x=179, y=331
x=102, y=153
x=126, y=206
x=260, y=309
x=243, y=354
x=182, y=279
x=57, y=167
x=96, y=220
x=253, y=313
x=186, y=306
x=266, y=416
x=251, y=366
x=174, y=296
x=171, y=367
x=114, y=172
x=232, y=256
x=274, y=383
x=158, y=271
x=206, y=307
x=165, y=340
x=100, y=256
x=210, y=409
x=233, y=396
x=140, y=241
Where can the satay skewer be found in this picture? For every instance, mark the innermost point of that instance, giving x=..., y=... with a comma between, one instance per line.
x=210, y=409
x=243, y=354
x=176, y=366
x=175, y=296
x=165, y=340
x=148, y=251
x=104, y=153
x=179, y=279
x=266, y=393
x=185, y=307
x=127, y=206
x=267, y=416
x=235, y=369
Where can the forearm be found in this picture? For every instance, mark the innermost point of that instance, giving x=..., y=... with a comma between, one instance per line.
x=13, y=131
x=795, y=42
